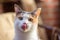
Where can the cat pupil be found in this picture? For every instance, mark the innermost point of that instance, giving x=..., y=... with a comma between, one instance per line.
x=30, y=19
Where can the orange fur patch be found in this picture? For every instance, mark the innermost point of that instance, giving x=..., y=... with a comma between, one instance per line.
x=34, y=19
x=38, y=12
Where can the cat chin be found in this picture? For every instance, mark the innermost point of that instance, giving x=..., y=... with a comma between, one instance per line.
x=24, y=30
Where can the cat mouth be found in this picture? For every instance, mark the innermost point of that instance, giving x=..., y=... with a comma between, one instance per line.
x=24, y=27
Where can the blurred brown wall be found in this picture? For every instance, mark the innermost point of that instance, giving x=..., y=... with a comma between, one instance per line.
x=1, y=8
x=50, y=13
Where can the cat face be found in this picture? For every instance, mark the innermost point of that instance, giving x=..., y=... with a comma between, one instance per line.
x=25, y=21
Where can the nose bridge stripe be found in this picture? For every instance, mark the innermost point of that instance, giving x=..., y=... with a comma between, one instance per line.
x=25, y=21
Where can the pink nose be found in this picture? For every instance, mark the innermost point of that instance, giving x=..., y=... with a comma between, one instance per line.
x=24, y=26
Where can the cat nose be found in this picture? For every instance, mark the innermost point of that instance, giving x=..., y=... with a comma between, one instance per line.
x=24, y=26
x=24, y=23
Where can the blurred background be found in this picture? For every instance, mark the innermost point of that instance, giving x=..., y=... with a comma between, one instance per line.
x=50, y=16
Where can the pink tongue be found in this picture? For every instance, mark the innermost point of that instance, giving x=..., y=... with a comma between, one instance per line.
x=24, y=26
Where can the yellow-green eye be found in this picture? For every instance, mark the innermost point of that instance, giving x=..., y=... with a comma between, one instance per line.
x=30, y=19
x=20, y=18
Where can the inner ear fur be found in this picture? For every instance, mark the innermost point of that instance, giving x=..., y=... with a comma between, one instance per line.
x=36, y=12
x=17, y=8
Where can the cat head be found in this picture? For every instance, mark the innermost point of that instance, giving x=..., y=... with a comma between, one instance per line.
x=26, y=21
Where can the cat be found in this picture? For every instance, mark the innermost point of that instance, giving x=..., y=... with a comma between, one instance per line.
x=26, y=24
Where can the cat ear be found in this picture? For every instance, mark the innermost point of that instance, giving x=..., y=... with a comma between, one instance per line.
x=17, y=8
x=37, y=12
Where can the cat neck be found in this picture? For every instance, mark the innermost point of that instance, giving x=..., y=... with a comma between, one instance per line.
x=31, y=35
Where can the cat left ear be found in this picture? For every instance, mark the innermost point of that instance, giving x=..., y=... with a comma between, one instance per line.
x=17, y=8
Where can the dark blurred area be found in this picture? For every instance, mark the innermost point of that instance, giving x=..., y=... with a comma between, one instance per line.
x=50, y=14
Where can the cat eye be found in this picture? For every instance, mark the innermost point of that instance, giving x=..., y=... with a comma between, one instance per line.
x=20, y=18
x=30, y=19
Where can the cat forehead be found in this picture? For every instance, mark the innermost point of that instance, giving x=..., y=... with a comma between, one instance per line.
x=24, y=14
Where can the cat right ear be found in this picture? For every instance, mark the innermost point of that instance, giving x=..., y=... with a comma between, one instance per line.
x=17, y=8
